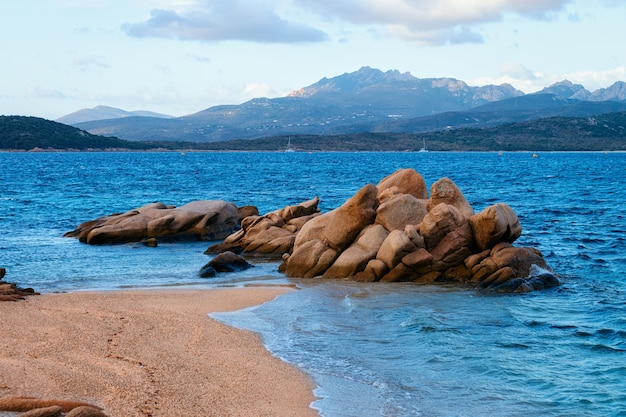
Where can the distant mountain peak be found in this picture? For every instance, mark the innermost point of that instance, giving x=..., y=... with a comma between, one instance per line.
x=567, y=90
x=353, y=82
x=367, y=80
x=616, y=92
x=102, y=112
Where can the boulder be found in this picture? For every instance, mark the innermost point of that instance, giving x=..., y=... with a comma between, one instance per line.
x=11, y=292
x=412, y=231
x=322, y=238
x=445, y=191
x=374, y=271
x=52, y=411
x=454, y=248
x=400, y=273
x=400, y=211
x=267, y=235
x=247, y=211
x=495, y=224
x=418, y=259
x=207, y=271
x=346, y=222
x=395, y=247
x=270, y=235
x=538, y=279
x=303, y=209
x=505, y=263
x=151, y=242
x=440, y=221
x=224, y=262
x=85, y=411
x=403, y=181
x=23, y=404
x=312, y=230
x=311, y=259
x=355, y=258
x=459, y=273
x=201, y=220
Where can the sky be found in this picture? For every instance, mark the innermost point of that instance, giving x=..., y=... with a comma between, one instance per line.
x=178, y=57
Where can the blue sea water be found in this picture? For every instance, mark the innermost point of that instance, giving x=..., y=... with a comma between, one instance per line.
x=372, y=349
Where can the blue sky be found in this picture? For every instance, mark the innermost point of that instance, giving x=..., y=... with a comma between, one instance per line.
x=181, y=56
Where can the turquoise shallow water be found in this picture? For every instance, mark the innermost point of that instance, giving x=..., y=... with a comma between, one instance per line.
x=373, y=350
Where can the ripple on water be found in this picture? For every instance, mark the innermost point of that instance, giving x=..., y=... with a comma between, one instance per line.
x=375, y=350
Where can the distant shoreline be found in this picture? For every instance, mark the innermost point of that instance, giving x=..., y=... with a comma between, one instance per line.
x=184, y=150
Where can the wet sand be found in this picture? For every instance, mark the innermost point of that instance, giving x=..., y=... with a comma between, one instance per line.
x=147, y=353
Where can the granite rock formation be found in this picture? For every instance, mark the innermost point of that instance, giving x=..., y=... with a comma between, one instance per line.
x=35, y=407
x=10, y=291
x=270, y=235
x=395, y=232
x=201, y=220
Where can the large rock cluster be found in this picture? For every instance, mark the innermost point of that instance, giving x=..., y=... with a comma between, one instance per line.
x=202, y=220
x=395, y=231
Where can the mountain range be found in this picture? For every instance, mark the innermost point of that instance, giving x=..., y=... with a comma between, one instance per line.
x=367, y=100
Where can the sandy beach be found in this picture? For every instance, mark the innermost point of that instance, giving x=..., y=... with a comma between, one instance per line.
x=147, y=353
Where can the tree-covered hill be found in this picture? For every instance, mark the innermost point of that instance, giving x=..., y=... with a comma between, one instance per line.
x=606, y=132
x=26, y=133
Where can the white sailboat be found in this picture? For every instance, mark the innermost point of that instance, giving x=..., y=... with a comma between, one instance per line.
x=289, y=148
x=423, y=149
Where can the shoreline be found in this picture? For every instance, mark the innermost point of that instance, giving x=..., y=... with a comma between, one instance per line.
x=149, y=352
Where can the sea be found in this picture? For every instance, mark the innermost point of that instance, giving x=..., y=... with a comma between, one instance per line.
x=372, y=349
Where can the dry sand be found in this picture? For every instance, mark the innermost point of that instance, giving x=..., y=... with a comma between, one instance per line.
x=147, y=353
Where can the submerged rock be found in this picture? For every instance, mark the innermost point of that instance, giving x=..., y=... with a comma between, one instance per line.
x=395, y=232
x=224, y=262
x=538, y=279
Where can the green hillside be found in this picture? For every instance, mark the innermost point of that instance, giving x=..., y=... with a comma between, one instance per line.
x=26, y=133
x=606, y=132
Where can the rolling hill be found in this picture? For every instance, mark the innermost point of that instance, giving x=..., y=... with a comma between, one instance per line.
x=28, y=133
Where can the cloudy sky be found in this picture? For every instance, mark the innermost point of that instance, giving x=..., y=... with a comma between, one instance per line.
x=181, y=56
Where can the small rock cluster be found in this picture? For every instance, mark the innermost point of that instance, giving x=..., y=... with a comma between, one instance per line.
x=11, y=292
x=34, y=407
x=395, y=232
x=201, y=220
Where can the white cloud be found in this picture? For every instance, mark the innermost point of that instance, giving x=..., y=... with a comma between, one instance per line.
x=199, y=58
x=436, y=37
x=517, y=71
x=44, y=93
x=432, y=22
x=219, y=20
x=90, y=63
x=255, y=90
x=593, y=80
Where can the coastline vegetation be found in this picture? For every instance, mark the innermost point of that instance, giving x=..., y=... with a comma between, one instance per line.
x=34, y=133
x=606, y=132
